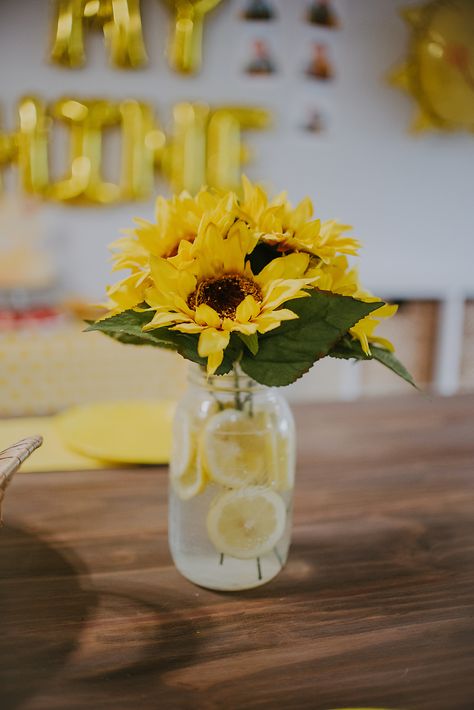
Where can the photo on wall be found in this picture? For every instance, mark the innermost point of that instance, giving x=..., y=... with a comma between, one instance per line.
x=259, y=10
x=315, y=120
x=322, y=13
x=261, y=59
x=320, y=66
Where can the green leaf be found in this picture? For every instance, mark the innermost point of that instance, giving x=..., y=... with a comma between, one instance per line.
x=127, y=327
x=289, y=351
x=251, y=341
x=349, y=348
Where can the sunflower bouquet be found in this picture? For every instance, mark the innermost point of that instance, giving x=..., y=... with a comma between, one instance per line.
x=254, y=291
x=253, y=283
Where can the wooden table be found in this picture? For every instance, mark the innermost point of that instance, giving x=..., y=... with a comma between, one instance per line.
x=375, y=607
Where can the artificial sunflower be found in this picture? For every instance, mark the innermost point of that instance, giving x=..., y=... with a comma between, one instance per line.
x=288, y=229
x=176, y=225
x=340, y=277
x=177, y=220
x=215, y=271
x=218, y=294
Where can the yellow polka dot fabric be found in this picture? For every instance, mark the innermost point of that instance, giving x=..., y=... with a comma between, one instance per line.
x=44, y=370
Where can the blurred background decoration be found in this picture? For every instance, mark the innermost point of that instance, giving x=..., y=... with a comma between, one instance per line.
x=261, y=61
x=201, y=138
x=121, y=24
x=259, y=10
x=320, y=66
x=47, y=363
x=120, y=21
x=315, y=121
x=99, y=136
x=322, y=13
x=185, y=52
x=439, y=71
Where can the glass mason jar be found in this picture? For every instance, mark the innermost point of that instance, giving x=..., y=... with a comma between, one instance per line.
x=231, y=482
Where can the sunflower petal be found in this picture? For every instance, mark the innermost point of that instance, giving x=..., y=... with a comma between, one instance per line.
x=270, y=321
x=247, y=309
x=212, y=340
x=205, y=315
x=165, y=318
x=213, y=361
x=283, y=267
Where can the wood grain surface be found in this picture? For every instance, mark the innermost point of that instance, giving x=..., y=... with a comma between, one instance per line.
x=375, y=607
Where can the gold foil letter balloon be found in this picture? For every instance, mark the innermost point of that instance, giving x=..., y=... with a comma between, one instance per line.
x=184, y=161
x=28, y=146
x=439, y=71
x=120, y=21
x=206, y=146
x=86, y=120
x=185, y=53
x=225, y=150
x=143, y=143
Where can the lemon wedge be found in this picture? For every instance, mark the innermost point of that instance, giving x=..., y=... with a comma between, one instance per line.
x=239, y=450
x=247, y=522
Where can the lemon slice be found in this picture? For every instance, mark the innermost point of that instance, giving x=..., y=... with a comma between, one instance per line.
x=246, y=523
x=285, y=479
x=186, y=471
x=192, y=481
x=239, y=450
x=183, y=448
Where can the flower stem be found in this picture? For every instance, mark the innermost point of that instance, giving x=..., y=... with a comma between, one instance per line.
x=238, y=401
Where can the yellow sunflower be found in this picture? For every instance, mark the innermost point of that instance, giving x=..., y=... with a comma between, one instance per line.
x=218, y=294
x=170, y=236
x=129, y=291
x=291, y=229
x=177, y=220
x=364, y=329
x=339, y=277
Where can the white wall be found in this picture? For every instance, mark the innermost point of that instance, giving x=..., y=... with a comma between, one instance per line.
x=408, y=198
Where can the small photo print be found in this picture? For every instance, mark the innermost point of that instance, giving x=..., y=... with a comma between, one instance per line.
x=322, y=13
x=320, y=66
x=261, y=61
x=315, y=121
x=259, y=10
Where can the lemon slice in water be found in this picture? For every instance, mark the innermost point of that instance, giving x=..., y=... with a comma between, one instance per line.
x=186, y=471
x=192, y=481
x=183, y=449
x=238, y=449
x=285, y=478
x=246, y=523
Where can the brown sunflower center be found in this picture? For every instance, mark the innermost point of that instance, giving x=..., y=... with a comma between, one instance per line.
x=224, y=293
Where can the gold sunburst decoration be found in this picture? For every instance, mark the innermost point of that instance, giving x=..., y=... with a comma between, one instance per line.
x=439, y=70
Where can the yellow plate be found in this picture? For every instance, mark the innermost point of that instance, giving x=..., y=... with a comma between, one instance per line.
x=54, y=455
x=134, y=432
